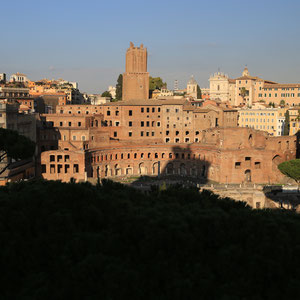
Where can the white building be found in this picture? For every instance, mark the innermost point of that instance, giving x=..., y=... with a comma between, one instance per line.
x=219, y=87
x=112, y=90
x=18, y=77
x=97, y=99
x=280, y=126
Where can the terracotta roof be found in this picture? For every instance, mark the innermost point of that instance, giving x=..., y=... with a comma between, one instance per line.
x=201, y=110
x=282, y=85
x=254, y=78
x=174, y=102
x=247, y=78
x=147, y=102
x=20, y=74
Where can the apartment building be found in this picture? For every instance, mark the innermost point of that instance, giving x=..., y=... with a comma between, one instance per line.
x=294, y=114
x=281, y=94
x=270, y=120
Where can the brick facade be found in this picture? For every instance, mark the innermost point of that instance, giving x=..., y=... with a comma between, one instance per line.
x=138, y=136
x=136, y=77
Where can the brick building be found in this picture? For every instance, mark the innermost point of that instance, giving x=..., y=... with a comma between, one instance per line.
x=163, y=137
x=139, y=136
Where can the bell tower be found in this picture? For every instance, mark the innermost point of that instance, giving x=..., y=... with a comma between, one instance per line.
x=246, y=71
x=136, y=77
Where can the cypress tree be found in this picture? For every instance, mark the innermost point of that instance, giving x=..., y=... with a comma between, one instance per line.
x=286, y=129
x=119, y=87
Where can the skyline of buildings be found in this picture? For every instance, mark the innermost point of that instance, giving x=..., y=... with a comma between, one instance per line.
x=230, y=136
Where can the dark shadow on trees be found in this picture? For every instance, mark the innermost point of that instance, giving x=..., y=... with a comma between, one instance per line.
x=298, y=144
x=285, y=198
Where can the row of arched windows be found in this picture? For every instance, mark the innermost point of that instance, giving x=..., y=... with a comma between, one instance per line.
x=149, y=155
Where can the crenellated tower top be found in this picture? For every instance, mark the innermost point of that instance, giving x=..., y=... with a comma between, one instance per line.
x=136, y=59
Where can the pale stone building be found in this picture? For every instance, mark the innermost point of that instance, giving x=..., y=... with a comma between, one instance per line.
x=286, y=94
x=294, y=114
x=265, y=119
x=112, y=90
x=219, y=87
x=18, y=77
x=241, y=91
x=97, y=99
x=191, y=88
x=164, y=92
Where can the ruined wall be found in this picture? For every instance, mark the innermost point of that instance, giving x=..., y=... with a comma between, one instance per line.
x=63, y=165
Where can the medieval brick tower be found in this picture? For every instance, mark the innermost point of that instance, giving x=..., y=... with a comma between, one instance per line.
x=136, y=77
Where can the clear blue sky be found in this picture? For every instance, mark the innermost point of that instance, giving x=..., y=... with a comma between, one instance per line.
x=85, y=41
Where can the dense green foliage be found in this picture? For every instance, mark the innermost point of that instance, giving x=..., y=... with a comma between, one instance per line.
x=119, y=87
x=291, y=168
x=77, y=241
x=244, y=92
x=282, y=103
x=272, y=104
x=156, y=83
x=286, y=129
x=106, y=94
x=13, y=145
x=199, y=93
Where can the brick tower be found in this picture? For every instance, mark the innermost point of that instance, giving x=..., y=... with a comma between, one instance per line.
x=136, y=77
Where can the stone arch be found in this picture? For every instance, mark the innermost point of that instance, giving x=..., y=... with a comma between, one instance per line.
x=250, y=139
x=194, y=171
x=155, y=168
x=118, y=170
x=170, y=169
x=276, y=160
x=248, y=175
x=106, y=170
x=203, y=171
x=129, y=170
x=142, y=169
x=182, y=169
